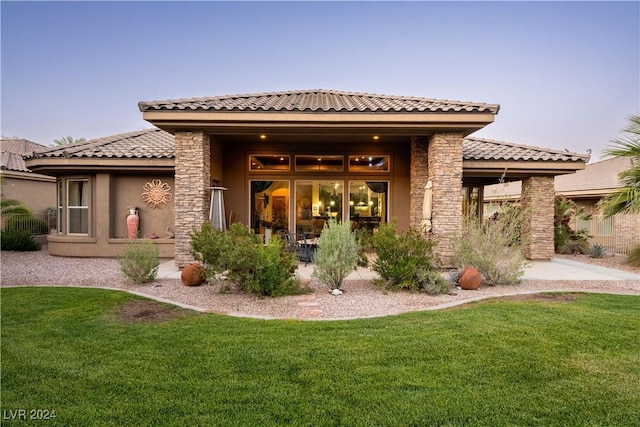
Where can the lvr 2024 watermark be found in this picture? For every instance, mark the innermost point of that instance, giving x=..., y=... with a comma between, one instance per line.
x=28, y=414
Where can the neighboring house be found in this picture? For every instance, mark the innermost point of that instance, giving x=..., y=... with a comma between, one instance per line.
x=587, y=188
x=37, y=192
x=292, y=160
x=98, y=180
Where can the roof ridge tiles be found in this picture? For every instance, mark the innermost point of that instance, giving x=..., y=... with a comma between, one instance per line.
x=531, y=147
x=317, y=100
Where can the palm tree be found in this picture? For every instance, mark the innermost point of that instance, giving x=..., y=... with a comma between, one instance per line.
x=67, y=140
x=626, y=199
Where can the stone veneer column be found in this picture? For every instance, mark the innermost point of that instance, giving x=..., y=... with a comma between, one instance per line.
x=419, y=175
x=537, y=197
x=445, y=172
x=192, y=182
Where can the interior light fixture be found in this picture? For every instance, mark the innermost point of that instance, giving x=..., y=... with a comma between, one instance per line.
x=376, y=137
x=263, y=136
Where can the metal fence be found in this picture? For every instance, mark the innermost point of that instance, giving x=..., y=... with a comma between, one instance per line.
x=618, y=234
x=36, y=224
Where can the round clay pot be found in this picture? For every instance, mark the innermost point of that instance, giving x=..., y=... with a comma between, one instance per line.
x=192, y=274
x=470, y=279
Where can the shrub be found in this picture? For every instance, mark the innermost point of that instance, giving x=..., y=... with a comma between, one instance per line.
x=244, y=261
x=579, y=246
x=598, y=251
x=140, y=261
x=18, y=240
x=493, y=246
x=337, y=254
x=564, y=210
x=405, y=260
x=633, y=259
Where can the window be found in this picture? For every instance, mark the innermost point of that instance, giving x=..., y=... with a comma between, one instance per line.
x=269, y=206
x=77, y=206
x=319, y=163
x=316, y=202
x=369, y=163
x=59, y=221
x=368, y=203
x=269, y=162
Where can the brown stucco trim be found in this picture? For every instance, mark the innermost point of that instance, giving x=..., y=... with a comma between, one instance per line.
x=58, y=166
x=28, y=176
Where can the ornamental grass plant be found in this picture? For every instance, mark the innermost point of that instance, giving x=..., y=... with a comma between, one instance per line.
x=141, y=261
x=337, y=254
x=493, y=245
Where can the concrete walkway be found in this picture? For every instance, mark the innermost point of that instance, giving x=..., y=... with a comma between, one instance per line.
x=556, y=269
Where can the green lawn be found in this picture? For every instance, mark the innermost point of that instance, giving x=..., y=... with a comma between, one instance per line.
x=501, y=363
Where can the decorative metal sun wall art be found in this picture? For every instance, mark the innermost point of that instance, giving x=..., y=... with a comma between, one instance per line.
x=156, y=194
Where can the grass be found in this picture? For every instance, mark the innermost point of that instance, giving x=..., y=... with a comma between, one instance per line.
x=499, y=363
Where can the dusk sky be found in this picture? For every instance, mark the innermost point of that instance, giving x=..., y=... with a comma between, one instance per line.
x=566, y=74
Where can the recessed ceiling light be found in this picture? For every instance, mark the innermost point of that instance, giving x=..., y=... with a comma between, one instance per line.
x=376, y=137
x=263, y=136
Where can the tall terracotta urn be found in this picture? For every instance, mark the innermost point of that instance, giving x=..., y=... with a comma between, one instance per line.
x=133, y=222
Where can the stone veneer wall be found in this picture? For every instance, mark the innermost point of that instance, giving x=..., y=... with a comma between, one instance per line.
x=419, y=175
x=537, y=226
x=192, y=182
x=444, y=166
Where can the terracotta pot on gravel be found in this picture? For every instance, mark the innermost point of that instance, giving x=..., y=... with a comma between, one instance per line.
x=470, y=279
x=192, y=274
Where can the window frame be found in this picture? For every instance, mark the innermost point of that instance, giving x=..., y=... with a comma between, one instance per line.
x=68, y=208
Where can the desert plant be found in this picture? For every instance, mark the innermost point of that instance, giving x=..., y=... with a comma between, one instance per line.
x=633, y=259
x=16, y=239
x=598, y=251
x=574, y=247
x=404, y=260
x=564, y=211
x=140, y=261
x=493, y=246
x=337, y=254
x=244, y=261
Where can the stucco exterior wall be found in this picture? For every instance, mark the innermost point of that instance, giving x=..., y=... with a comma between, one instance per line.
x=236, y=176
x=36, y=192
x=110, y=195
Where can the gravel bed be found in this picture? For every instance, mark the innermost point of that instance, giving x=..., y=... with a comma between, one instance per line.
x=360, y=299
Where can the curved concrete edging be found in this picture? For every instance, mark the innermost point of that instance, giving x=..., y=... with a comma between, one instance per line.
x=259, y=317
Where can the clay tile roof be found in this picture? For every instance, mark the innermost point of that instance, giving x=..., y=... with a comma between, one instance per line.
x=595, y=176
x=319, y=100
x=140, y=144
x=488, y=149
x=12, y=151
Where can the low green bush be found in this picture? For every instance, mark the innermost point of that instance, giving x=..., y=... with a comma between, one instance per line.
x=633, y=259
x=565, y=210
x=141, y=261
x=573, y=247
x=598, y=251
x=337, y=254
x=493, y=246
x=18, y=240
x=406, y=261
x=243, y=260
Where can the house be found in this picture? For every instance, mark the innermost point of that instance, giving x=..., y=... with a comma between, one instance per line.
x=291, y=160
x=586, y=188
x=97, y=182
x=36, y=191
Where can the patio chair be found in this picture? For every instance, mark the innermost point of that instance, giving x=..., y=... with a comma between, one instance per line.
x=304, y=250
